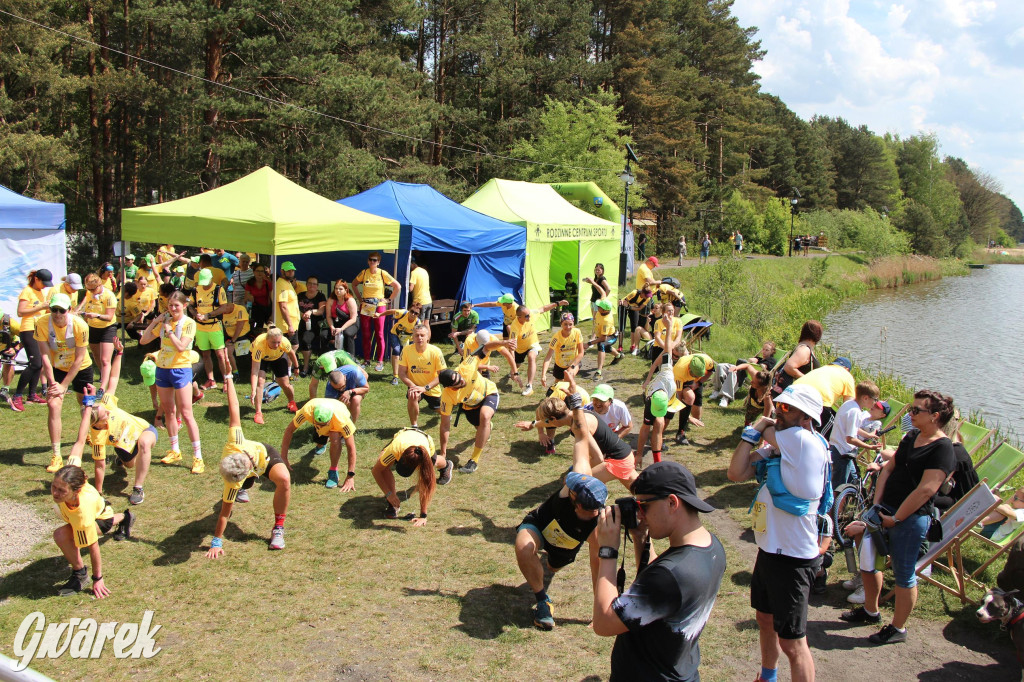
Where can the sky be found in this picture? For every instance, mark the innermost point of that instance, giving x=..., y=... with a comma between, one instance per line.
x=954, y=68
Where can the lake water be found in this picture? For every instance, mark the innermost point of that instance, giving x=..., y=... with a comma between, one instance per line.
x=957, y=336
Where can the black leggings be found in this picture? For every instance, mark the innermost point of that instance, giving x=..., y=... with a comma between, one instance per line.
x=30, y=376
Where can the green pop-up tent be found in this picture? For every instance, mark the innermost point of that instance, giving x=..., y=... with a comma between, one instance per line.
x=263, y=212
x=560, y=238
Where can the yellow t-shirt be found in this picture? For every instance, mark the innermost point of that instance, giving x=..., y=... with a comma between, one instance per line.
x=509, y=310
x=15, y=330
x=110, y=283
x=403, y=326
x=667, y=293
x=33, y=297
x=288, y=296
x=161, y=305
x=170, y=357
x=130, y=308
x=373, y=284
x=473, y=393
x=424, y=367
x=150, y=274
x=660, y=328
x=604, y=325
x=261, y=350
x=471, y=346
x=61, y=342
x=525, y=334
x=561, y=390
x=643, y=273
x=91, y=508
x=122, y=431
x=237, y=442
x=280, y=286
x=147, y=298
x=833, y=382
x=419, y=286
x=566, y=347
x=681, y=370
x=206, y=300
x=341, y=421
x=238, y=315
x=403, y=440
x=100, y=304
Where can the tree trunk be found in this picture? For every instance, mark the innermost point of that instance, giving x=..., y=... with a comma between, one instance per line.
x=210, y=176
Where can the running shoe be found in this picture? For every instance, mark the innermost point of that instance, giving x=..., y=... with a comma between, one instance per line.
x=632, y=350
x=55, y=463
x=332, y=479
x=208, y=384
x=303, y=373
x=888, y=635
x=724, y=402
x=715, y=395
x=445, y=477
x=74, y=583
x=17, y=404
x=391, y=512
x=37, y=399
x=820, y=584
x=320, y=449
x=258, y=418
x=597, y=375
x=173, y=457
x=681, y=439
x=394, y=381
x=197, y=398
x=277, y=538
x=853, y=583
x=469, y=468
x=549, y=449
x=124, y=529
x=857, y=597
x=859, y=615
x=242, y=497
x=617, y=358
x=379, y=367
x=528, y=390
x=544, y=616
x=198, y=465
x=292, y=407
x=137, y=495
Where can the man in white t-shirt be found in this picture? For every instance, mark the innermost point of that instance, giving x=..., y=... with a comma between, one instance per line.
x=848, y=432
x=788, y=544
x=610, y=410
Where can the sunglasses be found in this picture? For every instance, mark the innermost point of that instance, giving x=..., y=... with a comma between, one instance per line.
x=373, y=260
x=59, y=311
x=915, y=410
x=782, y=407
x=643, y=503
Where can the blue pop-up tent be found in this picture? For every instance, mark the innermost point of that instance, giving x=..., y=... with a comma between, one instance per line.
x=32, y=236
x=468, y=255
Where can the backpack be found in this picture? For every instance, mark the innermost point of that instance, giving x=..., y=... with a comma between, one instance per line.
x=271, y=391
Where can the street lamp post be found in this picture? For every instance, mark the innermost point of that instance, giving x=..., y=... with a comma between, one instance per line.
x=792, y=217
x=628, y=179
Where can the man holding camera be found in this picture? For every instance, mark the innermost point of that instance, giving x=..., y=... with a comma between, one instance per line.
x=795, y=469
x=658, y=620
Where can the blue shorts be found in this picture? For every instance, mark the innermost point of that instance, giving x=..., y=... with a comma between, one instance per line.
x=904, y=545
x=173, y=378
x=398, y=343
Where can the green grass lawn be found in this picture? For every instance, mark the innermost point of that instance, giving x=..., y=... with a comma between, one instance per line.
x=354, y=596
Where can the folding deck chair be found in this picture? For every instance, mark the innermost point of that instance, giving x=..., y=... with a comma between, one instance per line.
x=973, y=436
x=1000, y=465
x=1001, y=546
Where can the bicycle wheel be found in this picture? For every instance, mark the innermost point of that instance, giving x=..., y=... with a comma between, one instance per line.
x=847, y=506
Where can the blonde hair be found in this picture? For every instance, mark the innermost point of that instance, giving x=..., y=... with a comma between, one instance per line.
x=235, y=467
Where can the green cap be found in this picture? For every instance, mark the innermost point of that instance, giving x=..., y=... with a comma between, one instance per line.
x=181, y=269
x=195, y=259
x=130, y=256
x=604, y=305
x=327, y=362
x=659, y=404
x=322, y=414
x=60, y=301
x=287, y=265
x=148, y=369
x=697, y=366
x=204, y=277
x=506, y=298
x=603, y=392
x=150, y=259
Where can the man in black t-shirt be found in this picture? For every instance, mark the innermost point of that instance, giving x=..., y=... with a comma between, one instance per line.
x=658, y=620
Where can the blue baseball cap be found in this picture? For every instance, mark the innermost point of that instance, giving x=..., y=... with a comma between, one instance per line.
x=843, y=362
x=590, y=493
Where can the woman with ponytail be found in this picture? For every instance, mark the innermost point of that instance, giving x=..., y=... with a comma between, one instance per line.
x=409, y=450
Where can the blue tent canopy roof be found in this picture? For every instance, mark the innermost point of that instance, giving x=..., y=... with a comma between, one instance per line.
x=18, y=212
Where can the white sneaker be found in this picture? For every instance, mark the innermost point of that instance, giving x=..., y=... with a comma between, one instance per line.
x=724, y=402
x=857, y=597
x=714, y=395
x=853, y=583
x=528, y=390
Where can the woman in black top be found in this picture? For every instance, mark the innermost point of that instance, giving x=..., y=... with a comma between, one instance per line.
x=598, y=287
x=802, y=360
x=905, y=490
x=311, y=311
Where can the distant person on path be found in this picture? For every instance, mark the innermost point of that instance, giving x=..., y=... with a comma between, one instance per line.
x=738, y=241
x=705, y=249
x=641, y=245
x=682, y=249
x=785, y=525
x=657, y=621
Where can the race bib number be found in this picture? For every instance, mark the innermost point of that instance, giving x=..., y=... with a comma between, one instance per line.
x=242, y=347
x=557, y=537
x=368, y=309
x=65, y=356
x=759, y=517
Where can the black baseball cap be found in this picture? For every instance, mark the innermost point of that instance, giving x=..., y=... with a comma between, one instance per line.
x=670, y=478
x=45, y=276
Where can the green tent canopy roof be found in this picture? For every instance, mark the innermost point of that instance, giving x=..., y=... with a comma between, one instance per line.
x=529, y=204
x=263, y=212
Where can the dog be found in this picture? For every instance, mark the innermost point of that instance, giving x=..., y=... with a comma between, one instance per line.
x=1009, y=611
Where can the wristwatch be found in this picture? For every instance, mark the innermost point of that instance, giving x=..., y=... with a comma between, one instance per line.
x=608, y=553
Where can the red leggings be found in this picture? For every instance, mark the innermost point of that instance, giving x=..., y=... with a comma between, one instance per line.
x=377, y=324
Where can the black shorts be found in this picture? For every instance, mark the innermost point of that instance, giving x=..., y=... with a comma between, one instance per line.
x=698, y=393
x=557, y=557
x=558, y=372
x=522, y=356
x=506, y=331
x=433, y=401
x=279, y=367
x=123, y=456
x=273, y=458
x=81, y=380
x=308, y=339
x=781, y=586
x=473, y=413
x=649, y=418
x=104, y=525
x=102, y=334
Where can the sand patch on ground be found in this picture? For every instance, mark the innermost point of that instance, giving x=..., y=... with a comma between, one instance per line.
x=23, y=529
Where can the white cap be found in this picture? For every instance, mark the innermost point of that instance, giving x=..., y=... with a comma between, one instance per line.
x=803, y=398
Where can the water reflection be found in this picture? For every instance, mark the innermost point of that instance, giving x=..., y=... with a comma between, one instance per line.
x=958, y=335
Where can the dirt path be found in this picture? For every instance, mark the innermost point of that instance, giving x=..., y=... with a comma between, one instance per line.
x=935, y=651
x=692, y=261
x=23, y=529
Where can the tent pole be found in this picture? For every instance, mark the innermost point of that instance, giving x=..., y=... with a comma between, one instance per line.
x=124, y=252
x=273, y=289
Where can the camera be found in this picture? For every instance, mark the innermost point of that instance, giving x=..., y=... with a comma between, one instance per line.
x=628, y=509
